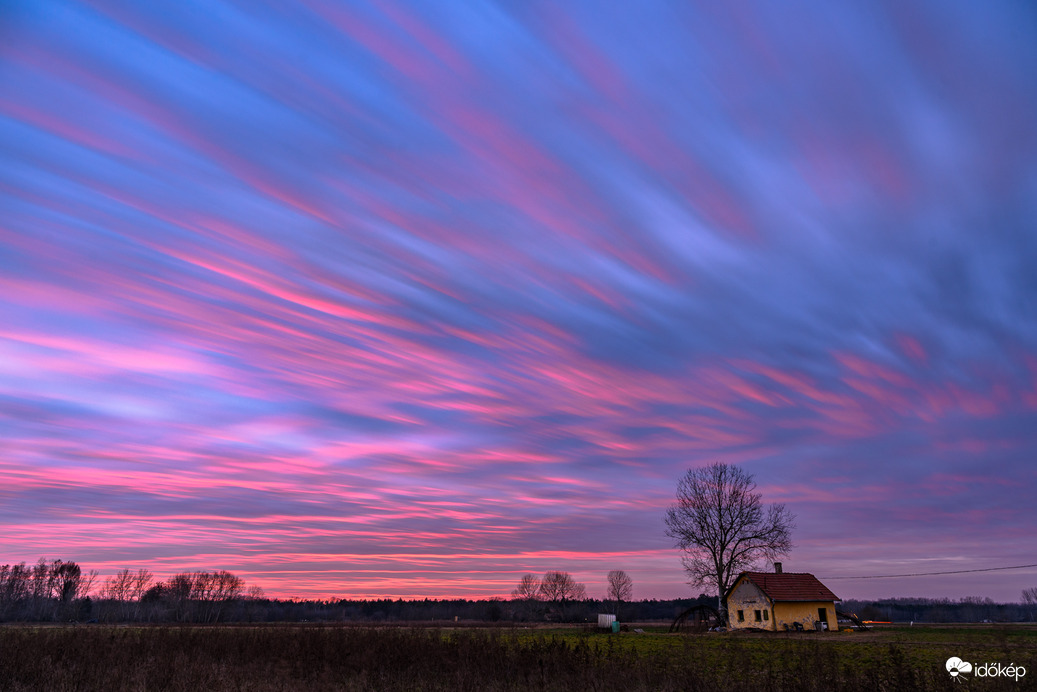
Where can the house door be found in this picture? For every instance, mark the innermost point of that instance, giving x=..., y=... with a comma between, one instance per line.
x=822, y=615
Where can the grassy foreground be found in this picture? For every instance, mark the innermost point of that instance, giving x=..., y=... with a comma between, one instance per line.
x=360, y=658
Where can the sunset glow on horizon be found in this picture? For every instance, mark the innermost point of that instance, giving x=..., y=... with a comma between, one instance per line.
x=385, y=300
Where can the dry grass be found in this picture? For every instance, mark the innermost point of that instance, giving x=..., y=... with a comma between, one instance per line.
x=361, y=658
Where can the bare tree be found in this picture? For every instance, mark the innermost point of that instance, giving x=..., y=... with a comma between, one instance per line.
x=68, y=577
x=87, y=583
x=118, y=592
x=14, y=588
x=138, y=586
x=178, y=592
x=722, y=528
x=42, y=582
x=620, y=588
x=69, y=585
x=211, y=590
x=224, y=588
x=528, y=591
x=560, y=590
x=560, y=586
x=528, y=588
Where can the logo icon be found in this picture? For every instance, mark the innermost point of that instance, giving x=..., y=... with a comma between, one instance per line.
x=955, y=666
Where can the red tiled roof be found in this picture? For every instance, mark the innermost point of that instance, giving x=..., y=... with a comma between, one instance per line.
x=790, y=586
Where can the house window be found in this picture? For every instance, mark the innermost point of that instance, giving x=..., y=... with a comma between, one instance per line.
x=741, y=616
x=757, y=615
x=766, y=615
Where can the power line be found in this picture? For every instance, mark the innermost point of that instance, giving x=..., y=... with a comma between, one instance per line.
x=933, y=574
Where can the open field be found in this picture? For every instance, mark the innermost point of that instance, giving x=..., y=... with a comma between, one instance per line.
x=314, y=657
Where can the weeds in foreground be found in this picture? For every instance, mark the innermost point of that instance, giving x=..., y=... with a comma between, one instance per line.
x=356, y=658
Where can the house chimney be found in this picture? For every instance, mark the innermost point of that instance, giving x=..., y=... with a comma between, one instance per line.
x=777, y=568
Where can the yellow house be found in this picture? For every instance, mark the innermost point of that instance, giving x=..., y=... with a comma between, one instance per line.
x=779, y=601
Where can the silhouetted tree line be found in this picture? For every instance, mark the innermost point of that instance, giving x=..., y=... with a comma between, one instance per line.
x=45, y=591
x=493, y=610
x=60, y=591
x=498, y=610
x=938, y=610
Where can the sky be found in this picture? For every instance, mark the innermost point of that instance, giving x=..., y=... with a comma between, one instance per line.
x=411, y=299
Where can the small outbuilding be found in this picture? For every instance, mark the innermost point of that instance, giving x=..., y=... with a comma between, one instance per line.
x=779, y=601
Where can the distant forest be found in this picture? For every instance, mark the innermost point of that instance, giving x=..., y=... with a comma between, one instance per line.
x=59, y=591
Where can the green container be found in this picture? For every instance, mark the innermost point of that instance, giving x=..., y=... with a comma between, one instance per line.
x=615, y=626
